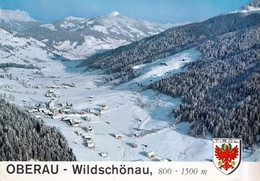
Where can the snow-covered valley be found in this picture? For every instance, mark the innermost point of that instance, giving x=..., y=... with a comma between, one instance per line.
x=116, y=123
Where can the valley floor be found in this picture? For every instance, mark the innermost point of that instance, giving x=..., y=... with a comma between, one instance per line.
x=140, y=117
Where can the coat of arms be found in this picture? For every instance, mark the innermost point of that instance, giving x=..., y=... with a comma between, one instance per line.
x=226, y=154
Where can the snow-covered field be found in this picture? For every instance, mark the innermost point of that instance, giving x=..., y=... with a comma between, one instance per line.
x=140, y=118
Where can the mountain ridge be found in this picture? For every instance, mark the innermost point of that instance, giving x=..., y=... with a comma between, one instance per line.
x=77, y=38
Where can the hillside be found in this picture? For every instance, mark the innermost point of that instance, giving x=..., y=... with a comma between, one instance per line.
x=77, y=38
x=174, y=40
x=24, y=138
x=220, y=91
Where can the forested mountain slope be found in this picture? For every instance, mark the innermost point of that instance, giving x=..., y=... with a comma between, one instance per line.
x=121, y=60
x=220, y=91
x=24, y=138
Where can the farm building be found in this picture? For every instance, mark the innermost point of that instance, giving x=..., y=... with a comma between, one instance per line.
x=38, y=117
x=57, y=95
x=48, y=95
x=42, y=105
x=37, y=105
x=163, y=63
x=75, y=124
x=118, y=136
x=54, y=111
x=98, y=114
x=55, y=99
x=51, y=86
x=63, y=105
x=165, y=160
x=90, y=129
x=134, y=145
x=89, y=141
x=51, y=91
x=51, y=104
x=87, y=137
x=88, y=119
x=28, y=86
x=90, y=145
x=46, y=111
x=137, y=134
x=79, y=133
x=90, y=110
x=81, y=112
x=103, y=155
x=67, y=120
x=150, y=155
x=56, y=117
x=33, y=110
x=68, y=112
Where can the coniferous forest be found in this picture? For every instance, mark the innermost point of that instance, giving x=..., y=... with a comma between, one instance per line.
x=25, y=138
x=220, y=91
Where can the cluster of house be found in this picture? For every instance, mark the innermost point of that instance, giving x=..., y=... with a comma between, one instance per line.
x=53, y=93
x=87, y=138
x=71, y=122
x=7, y=87
x=98, y=111
x=52, y=107
x=27, y=85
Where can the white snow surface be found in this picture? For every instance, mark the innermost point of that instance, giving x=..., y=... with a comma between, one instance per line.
x=20, y=50
x=104, y=33
x=155, y=71
x=125, y=106
x=49, y=26
x=247, y=10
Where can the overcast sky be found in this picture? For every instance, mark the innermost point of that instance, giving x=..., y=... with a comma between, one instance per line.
x=162, y=11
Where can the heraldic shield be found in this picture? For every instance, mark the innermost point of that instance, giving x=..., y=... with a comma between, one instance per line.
x=227, y=154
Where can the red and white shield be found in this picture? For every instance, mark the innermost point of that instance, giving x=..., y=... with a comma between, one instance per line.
x=227, y=154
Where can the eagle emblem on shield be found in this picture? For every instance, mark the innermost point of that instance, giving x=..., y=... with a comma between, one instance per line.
x=227, y=154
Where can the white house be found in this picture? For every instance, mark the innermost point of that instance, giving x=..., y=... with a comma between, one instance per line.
x=165, y=160
x=75, y=124
x=42, y=105
x=87, y=137
x=89, y=141
x=90, y=129
x=118, y=136
x=56, y=117
x=33, y=110
x=134, y=145
x=67, y=120
x=57, y=95
x=79, y=133
x=90, y=145
x=38, y=117
x=48, y=95
x=103, y=155
x=51, y=104
x=150, y=155
x=51, y=91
